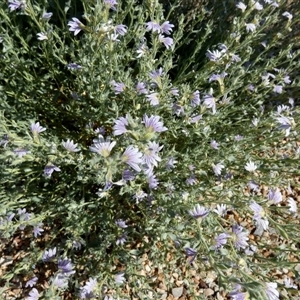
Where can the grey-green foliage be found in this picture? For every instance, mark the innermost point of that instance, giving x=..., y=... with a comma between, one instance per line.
x=80, y=201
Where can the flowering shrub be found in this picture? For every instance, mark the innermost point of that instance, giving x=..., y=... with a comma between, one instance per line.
x=111, y=161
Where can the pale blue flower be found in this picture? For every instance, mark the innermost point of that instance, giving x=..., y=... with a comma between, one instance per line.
x=49, y=169
x=218, y=168
x=76, y=26
x=111, y=4
x=240, y=237
x=15, y=4
x=120, y=29
x=86, y=292
x=120, y=126
x=275, y=195
x=150, y=156
x=166, y=27
x=167, y=41
x=195, y=99
x=49, y=254
x=60, y=281
x=271, y=291
x=5, y=140
x=119, y=278
x=152, y=181
x=33, y=294
x=65, y=266
x=153, y=124
x=121, y=223
x=36, y=128
x=31, y=282
x=119, y=87
x=37, y=230
x=214, y=55
x=132, y=157
x=74, y=66
x=221, y=210
x=47, y=16
x=292, y=205
x=153, y=99
x=221, y=240
x=21, y=152
x=190, y=252
x=102, y=146
x=214, y=144
x=153, y=26
x=121, y=239
x=210, y=102
x=199, y=211
x=277, y=89
x=70, y=146
x=141, y=88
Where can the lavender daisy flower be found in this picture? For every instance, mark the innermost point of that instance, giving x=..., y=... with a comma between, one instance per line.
x=42, y=36
x=271, y=291
x=236, y=295
x=21, y=152
x=33, y=294
x=150, y=157
x=153, y=124
x=76, y=245
x=70, y=146
x=153, y=26
x=166, y=27
x=153, y=181
x=220, y=240
x=198, y=212
x=153, y=99
x=210, y=102
x=60, y=281
x=214, y=144
x=74, y=66
x=214, y=55
x=156, y=74
x=37, y=229
x=121, y=223
x=36, y=128
x=191, y=180
x=128, y=175
x=275, y=195
x=132, y=157
x=240, y=237
x=47, y=16
x=4, y=141
x=49, y=169
x=250, y=27
x=250, y=166
x=253, y=186
x=195, y=119
x=218, y=168
x=102, y=146
x=190, y=252
x=76, y=26
x=139, y=196
x=86, y=292
x=119, y=278
x=141, y=88
x=15, y=4
x=121, y=239
x=31, y=282
x=171, y=163
x=285, y=124
x=195, y=99
x=120, y=126
x=111, y=4
x=288, y=283
x=167, y=41
x=65, y=266
x=49, y=254
x=259, y=216
x=217, y=77
x=174, y=91
x=277, y=89
x=238, y=137
x=120, y=29
x=119, y=87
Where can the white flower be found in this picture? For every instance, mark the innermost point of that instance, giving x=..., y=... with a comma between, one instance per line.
x=250, y=166
x=250, y=27
x=288, y=15
x=42, y=36
x=271, y=291
x=292, y=205
x=258, y=6
x=221, y=209
x=218, y=168
x=102, y=146
x=241, y=6
x=70, y=146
